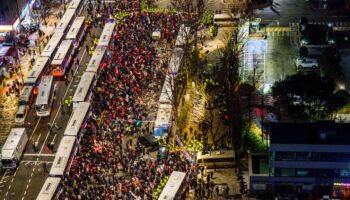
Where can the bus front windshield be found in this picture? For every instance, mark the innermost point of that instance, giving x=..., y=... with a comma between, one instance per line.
x=7, y=162
x=41, y=108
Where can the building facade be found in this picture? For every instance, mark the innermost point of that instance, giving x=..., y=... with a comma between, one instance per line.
x=306, y=160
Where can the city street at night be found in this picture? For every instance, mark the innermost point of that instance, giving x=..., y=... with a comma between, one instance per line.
x=174, y=99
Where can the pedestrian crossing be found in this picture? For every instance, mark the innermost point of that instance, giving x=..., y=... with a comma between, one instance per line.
x=293, y=28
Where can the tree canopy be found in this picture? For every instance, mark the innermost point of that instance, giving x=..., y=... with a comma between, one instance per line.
x=309, y=96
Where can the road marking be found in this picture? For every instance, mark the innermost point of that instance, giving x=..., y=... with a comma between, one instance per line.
x=59, y=108
x=4, y=176
x=7, y=193
x=39, y=154
x=10, y=186
x=27, y=186
x=12, y=180
x=35, y=161
x=36, y=126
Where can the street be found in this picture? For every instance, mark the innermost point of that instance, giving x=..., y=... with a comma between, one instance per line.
x=26, y=181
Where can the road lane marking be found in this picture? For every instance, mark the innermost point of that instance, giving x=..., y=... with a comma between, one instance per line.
x=39, y=155
x=4, y=176
x=59, y=108
x=36, y=126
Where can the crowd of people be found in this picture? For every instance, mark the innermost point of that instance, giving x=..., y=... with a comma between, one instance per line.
x=106, y=166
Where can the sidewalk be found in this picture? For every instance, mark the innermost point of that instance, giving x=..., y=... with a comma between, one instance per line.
x=9, y=104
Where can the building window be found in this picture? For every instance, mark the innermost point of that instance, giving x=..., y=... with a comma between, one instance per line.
x=303, y=172
x=304, y=155
x=286, y=172
x=284, y=155
x=344, y=173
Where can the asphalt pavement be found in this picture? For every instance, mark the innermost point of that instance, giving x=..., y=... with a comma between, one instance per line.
x=282, y=12
x=26, y=181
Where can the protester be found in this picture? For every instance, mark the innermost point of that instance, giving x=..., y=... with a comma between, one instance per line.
x=103, y=167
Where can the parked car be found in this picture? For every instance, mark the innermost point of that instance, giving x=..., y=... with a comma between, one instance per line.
x=307, y=63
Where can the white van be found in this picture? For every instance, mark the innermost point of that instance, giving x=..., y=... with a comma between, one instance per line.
x=21, y=115
x=13, y=148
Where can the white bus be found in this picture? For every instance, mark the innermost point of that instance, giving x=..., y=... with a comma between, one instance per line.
x=77, y=31
x=26, y=96
x=225, y=19
x=12, y=151
x=216, y=159
x=106, y=34
x=77, y=121
x=65, y=22
x=86, y=84
x=45, y=96
x=51, y=47
x=76, y=5
x=63, y=158
x=51, y=189
x=163, y=120
x=182, y=36
x=63, y=58
x=175, y=61
x=174, y=189
x=96, y=59
x=39, y=69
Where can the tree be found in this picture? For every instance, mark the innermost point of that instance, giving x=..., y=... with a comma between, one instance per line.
x=330, y=64
x=308, y=96
x=303, y=52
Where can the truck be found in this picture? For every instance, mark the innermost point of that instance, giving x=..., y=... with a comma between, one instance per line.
x=13, y=148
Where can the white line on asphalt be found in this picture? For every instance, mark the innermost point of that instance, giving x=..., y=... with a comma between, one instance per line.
x=4, y=176
x=59, y=108
x=29, y=180
x=6, y=193
x=27, y=186
x=39, y=155
x=31, y=161
x=10, y=186
x=12, y=180
x=35, y=128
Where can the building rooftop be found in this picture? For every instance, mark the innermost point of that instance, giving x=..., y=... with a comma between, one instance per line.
x=322, y=132
x=9, y=11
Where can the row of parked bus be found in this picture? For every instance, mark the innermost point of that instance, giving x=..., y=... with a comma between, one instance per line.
x=163, y=119
x=40, y=81
x=77, y=122
x=54, y=61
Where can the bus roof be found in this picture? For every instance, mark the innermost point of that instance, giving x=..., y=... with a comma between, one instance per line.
x=52, y=45
x=62, y=156
x=35, y=72
x=26, y=92
x=106, y=34
x=75, y=28
x=49, y=188
x=62, y=52
x=83, y=87
x=172, y=186
x=65, y=21
x=166, y=94
x=13, y=138
x=44, y=90
x=175, y=61
x=77, y=119
x=74, y=4
x=182, y=35
x=163, y=118
x=96, y=59
x=216, y=154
